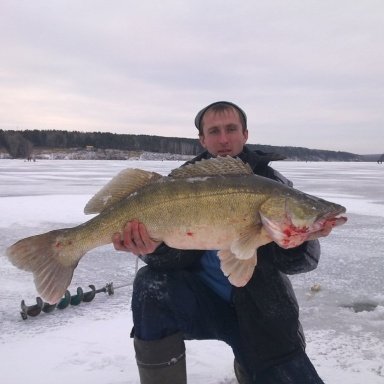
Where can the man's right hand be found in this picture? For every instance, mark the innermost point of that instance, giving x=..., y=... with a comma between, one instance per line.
x=134, y=239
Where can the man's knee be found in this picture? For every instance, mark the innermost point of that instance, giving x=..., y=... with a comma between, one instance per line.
x=149, y=283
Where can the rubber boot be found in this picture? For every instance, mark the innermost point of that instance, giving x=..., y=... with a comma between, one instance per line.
x=240, y=374
x=161, y=361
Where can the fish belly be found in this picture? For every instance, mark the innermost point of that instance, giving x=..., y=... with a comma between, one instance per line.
x=202, y=237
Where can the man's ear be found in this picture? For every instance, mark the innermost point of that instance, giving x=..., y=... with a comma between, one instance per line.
x=245, y=133
x=202, y=141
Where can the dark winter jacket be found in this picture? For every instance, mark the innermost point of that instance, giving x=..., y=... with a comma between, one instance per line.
x=266, y=307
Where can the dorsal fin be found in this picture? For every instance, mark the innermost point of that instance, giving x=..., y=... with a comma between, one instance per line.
x=213, y=167
x=122, y=185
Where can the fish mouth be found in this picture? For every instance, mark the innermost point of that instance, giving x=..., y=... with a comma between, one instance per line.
x=291, y=232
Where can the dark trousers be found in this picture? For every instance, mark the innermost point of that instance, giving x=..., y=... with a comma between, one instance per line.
x=164, y=303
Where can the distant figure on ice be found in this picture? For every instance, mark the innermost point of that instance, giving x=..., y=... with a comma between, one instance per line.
x=381, y=159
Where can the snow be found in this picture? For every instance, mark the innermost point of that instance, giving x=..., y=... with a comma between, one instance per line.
x=90, y=343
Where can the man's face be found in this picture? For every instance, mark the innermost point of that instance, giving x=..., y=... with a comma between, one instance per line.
x=223, y=133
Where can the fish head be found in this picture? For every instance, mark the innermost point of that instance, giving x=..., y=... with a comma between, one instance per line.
x=295, y=218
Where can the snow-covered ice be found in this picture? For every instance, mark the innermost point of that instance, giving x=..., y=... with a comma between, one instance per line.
x=90, y=343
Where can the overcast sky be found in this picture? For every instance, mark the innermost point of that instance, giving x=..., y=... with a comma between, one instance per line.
x=308, y=73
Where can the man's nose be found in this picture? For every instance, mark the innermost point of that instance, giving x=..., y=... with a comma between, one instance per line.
x=223, y=138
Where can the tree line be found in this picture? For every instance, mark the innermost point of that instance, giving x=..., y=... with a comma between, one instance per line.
x=21, y=144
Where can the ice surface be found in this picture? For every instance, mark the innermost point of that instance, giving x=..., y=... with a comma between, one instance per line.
x=89, y=343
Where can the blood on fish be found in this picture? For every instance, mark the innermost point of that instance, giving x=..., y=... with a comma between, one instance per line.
x=294, y=231
x=189, y=233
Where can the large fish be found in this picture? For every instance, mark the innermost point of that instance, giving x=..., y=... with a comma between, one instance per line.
x=213, y=204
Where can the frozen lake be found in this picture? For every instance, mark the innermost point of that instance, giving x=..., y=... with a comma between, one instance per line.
x=89, y=343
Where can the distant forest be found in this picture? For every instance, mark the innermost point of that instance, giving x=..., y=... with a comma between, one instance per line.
x=22, y=144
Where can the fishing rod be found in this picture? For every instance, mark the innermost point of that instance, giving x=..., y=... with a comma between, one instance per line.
x=68, y=299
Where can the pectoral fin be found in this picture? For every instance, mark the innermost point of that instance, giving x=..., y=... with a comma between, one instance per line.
x=250, y=238
x=239, y=262
x=239, y=272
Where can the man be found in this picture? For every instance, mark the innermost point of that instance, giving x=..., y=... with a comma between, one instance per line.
x=183, y=294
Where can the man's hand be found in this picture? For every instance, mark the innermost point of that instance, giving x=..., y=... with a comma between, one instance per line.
x=134, y=239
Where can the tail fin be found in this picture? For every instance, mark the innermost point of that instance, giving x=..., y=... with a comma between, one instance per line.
x=51, y=257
